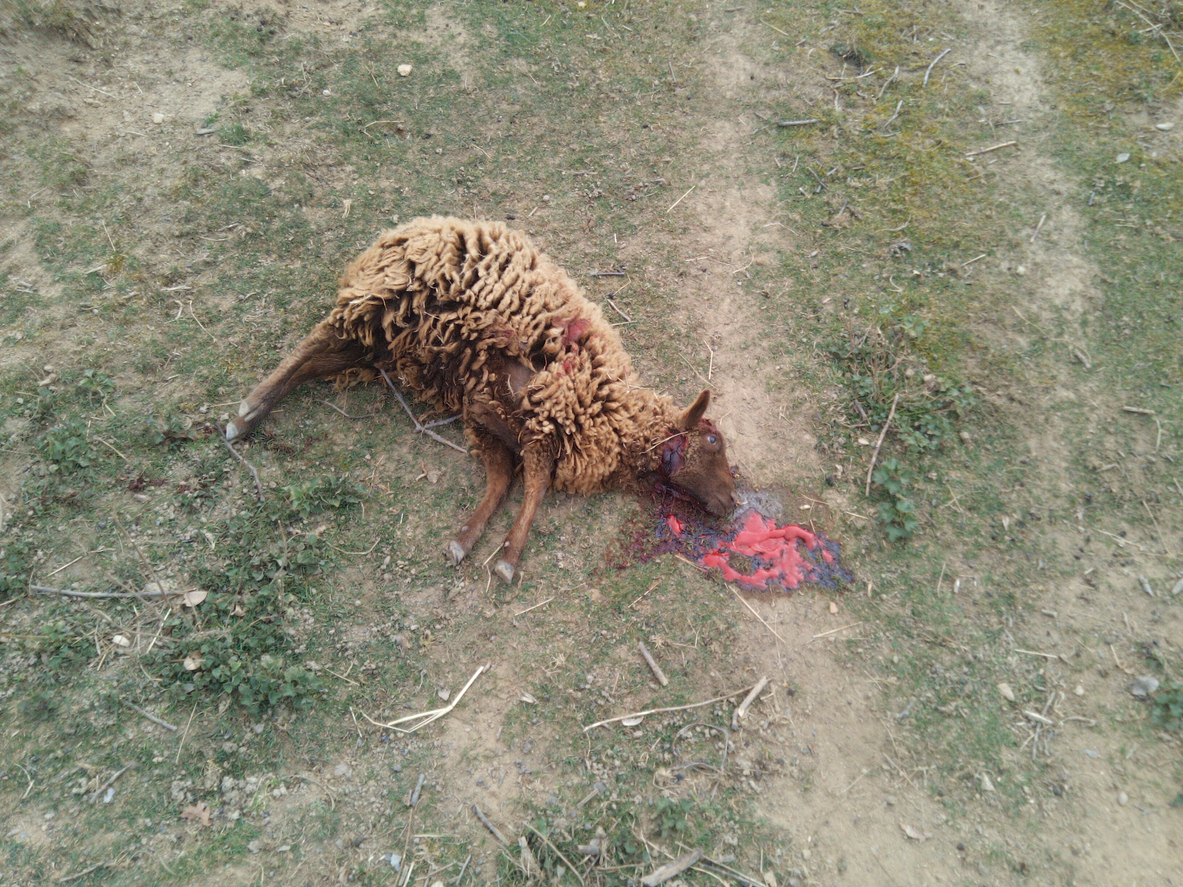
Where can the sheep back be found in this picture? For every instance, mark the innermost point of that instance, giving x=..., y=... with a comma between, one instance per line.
x=445, y=304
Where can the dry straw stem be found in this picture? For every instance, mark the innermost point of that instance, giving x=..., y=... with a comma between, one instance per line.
x=1039, y=227
x=757, y=615
x=426, y=717
x=680, y=199
x=882, y=434
x=656, y=711
x=535, y=607
x=835, y=630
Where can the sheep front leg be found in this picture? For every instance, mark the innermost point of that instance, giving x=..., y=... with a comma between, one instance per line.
x=537, y=470
x=322, y=354
x=499, y=465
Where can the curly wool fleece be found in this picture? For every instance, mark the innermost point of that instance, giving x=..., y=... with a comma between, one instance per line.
x=446, y=303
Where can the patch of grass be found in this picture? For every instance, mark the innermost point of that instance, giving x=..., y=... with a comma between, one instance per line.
x=66, y=449
x=1109, y=54
x=897, y=511
x=1166, y=709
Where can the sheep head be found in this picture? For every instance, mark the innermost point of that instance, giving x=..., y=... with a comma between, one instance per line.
x=694, y=460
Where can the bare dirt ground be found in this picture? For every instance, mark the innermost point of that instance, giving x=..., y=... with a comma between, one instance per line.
x=827, y=759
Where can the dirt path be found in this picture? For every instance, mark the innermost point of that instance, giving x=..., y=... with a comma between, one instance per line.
x=853, y=799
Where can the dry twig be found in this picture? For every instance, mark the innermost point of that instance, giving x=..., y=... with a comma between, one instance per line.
x=656, y=711
x=742, y=708
x=419, y=426
x=557, y=853
x=493, y=830
x=671, y=869
x=944, y=53
x=239, y=457
x=653, y=666
x=151, y=717
x=882, y=434
x=992, y=148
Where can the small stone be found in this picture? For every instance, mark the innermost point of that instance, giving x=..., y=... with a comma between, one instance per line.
x=1122, y=799
x=1007, y=693
x=158, y=118
x=1021, y=270
x=1079, y=691
x=965, y=438
x=1164, y=127
x=1123, y=157
x=1143, y=686
x=987, y=785
x=404, y=70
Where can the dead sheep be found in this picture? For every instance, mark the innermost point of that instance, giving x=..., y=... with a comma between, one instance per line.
x=474, y=320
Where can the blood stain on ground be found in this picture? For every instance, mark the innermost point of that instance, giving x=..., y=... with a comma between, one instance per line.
x=751, y=550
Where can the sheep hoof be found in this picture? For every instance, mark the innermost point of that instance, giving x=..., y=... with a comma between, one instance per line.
x=455, y=552
x=505, y=570
x=240, y=425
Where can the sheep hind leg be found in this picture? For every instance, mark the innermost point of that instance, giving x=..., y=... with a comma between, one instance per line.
x=321, y=355
x=538, y=469
x=499, y=467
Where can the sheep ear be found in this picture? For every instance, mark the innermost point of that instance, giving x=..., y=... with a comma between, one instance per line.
x=691, y=417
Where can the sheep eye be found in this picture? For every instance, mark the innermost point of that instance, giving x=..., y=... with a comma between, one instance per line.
x=711, y=439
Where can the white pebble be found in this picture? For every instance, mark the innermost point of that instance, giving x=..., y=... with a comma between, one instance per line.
x=1123, y=798
x=1164, y=127
x=158, y=118
x=404, y=70
x=1007, y=693
x=1123, y=157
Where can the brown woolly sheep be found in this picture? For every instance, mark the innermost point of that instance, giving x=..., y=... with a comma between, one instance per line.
x=473, y=319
